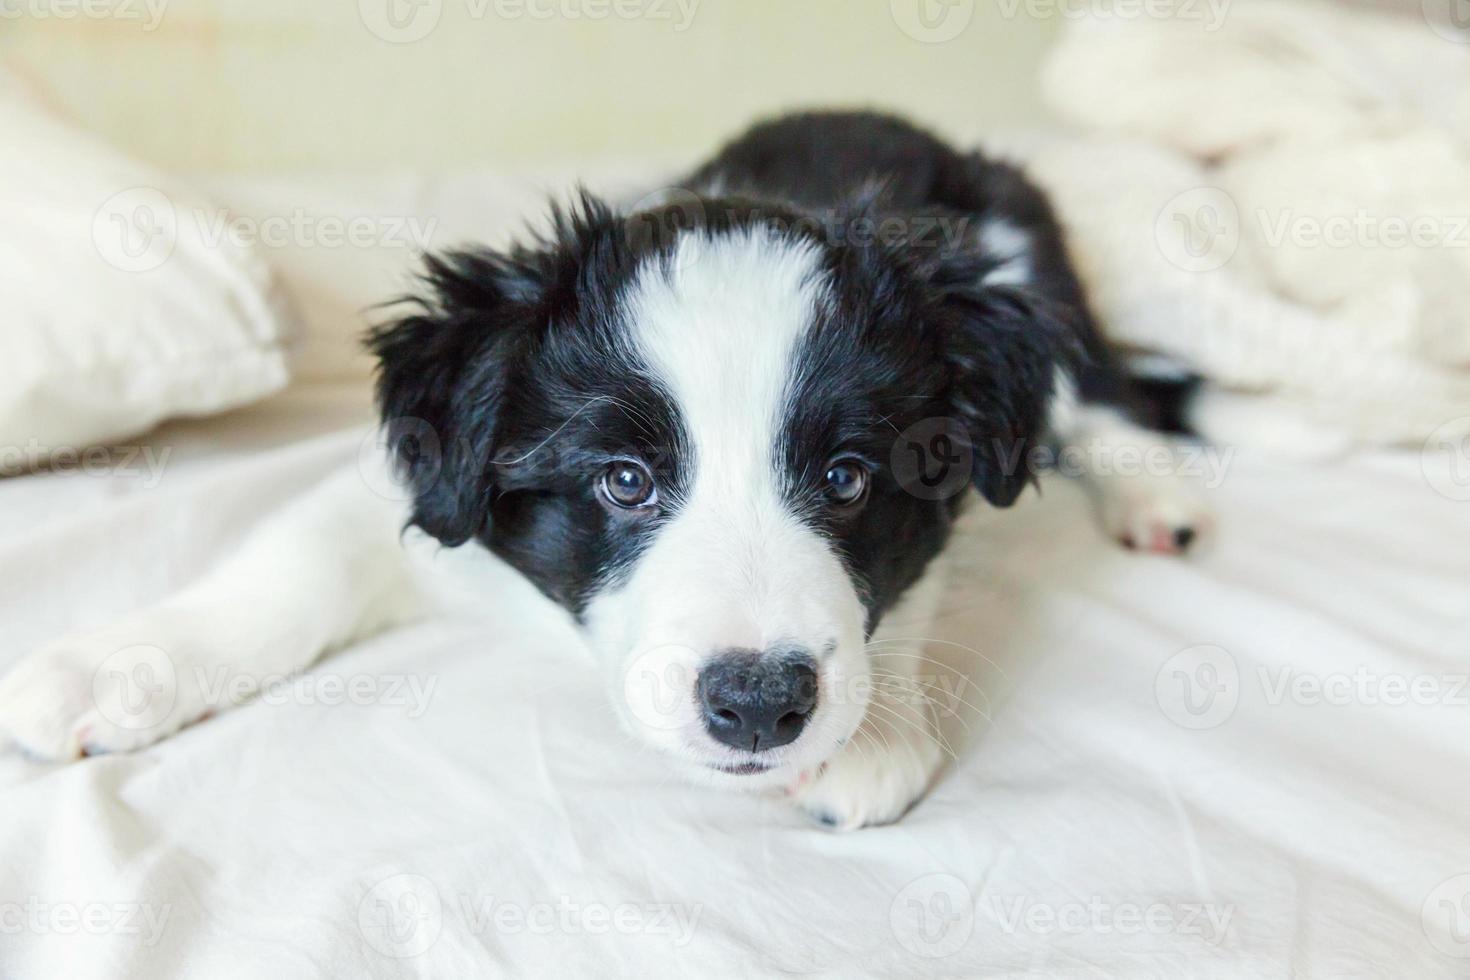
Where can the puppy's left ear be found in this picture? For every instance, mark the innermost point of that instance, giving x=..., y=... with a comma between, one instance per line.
x=444, y=374
x=447, y=372
x=1003, y=347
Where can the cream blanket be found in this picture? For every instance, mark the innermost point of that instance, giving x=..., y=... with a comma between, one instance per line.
x=1278, y=197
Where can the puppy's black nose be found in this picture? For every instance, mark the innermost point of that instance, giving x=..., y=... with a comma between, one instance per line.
x=755, y=701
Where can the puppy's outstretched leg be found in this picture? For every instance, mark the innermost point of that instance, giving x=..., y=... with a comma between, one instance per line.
x=325, y=570
x=1136, y=476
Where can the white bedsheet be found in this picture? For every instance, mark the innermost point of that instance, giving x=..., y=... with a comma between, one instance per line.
x=481, y=815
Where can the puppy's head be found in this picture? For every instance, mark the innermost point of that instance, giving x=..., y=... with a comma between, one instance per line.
x=694, y=441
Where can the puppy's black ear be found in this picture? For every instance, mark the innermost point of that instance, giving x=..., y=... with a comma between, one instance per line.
x=1003, y=346
x=448, y=371
x=444, y=373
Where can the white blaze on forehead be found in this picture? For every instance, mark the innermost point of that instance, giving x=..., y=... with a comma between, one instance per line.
x=719, y=325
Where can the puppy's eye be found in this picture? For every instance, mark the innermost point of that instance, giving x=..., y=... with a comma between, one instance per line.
x=630, y=485
x=847, y=482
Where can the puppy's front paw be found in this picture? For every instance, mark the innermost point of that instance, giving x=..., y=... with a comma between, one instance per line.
x=879, y=774
x=94, y=693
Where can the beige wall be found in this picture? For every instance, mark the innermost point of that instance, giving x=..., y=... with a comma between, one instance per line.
x=289, y=85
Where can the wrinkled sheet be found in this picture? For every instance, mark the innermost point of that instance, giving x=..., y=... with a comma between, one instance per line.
x=1249, y=764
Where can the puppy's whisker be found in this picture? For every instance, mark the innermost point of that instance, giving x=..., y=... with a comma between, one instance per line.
x=931, y=736
x=948, y=709
x=879, y=734
x=861, y=749
x=554, y=432
x=634, y=411
x=957, y=674
x=874, y=647
x=908, y=743
x=905, y=686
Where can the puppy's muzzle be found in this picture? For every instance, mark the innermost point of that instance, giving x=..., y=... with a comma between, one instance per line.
x=756, y=701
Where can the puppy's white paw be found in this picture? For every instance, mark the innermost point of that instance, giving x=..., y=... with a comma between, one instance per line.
x=1160, y=514
x=879, y=774
x=105, y=691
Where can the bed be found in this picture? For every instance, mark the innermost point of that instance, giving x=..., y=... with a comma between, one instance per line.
x=1249, y=764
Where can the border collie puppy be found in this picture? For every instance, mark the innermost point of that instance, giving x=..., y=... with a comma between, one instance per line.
x=729, y=434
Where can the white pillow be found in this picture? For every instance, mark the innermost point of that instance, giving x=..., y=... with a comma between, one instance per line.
x=121, y=304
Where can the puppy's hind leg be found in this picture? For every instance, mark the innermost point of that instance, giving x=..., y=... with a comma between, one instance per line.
x=327, y=569
x=1136, y=476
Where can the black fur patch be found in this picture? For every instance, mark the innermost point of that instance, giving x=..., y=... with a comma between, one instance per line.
x=515, y=366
